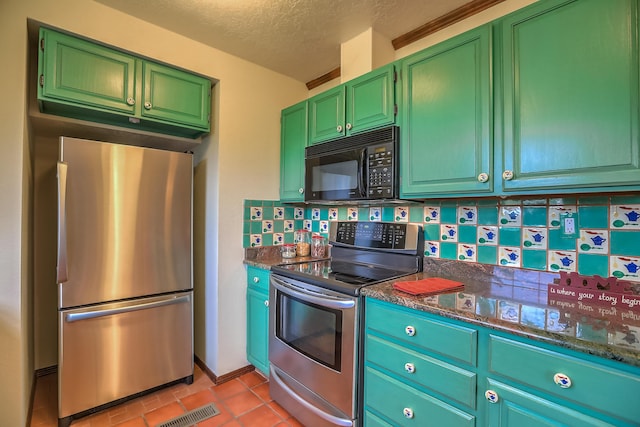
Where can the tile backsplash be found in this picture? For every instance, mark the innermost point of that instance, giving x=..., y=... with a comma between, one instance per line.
x=593, y=235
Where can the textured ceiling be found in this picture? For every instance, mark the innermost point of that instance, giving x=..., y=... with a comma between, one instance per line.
x=298, y=38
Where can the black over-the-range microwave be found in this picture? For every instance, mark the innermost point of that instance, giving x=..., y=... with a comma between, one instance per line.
x=358, y=167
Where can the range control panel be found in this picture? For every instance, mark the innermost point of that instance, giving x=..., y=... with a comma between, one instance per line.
x=375, y=235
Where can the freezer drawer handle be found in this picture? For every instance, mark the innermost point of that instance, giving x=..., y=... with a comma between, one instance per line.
x=74, y=317
x=61, y=264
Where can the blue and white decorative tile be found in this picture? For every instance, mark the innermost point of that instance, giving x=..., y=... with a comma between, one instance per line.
x=625, y=217
x=432, y=249
x=555, y=212
x=593, y=242
x=255, y=240
x=298, y=213
x=315, y=214
x=267, y=226
x=352, y=214
x=509, y=311
x=432, y=214
x=333, y=214
x=278, y=212
x=465, y=302
x=289, y=226
x=401, y=214
x=256, y=214
x=375, y=214
x=468, y=215
x=324, y=226
x=509, y=256
x=625, y=267
x=278, y=239
x=511, y=216
x=467, y=252
x=488, y=235
x=535, y=238
x=306, y=224
x=449, y=232
x=562, y=261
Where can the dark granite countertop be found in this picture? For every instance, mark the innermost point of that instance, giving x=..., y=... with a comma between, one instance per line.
x=267, y=256
x=517, y=301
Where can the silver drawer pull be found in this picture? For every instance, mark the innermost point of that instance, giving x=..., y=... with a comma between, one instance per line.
x=410, y=330
x=562, y=380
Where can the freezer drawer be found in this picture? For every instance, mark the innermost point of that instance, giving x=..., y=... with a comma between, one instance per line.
x=111, y=351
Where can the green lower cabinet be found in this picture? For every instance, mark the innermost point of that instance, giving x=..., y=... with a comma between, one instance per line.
x=293, y=140
x=83, y=80
x=258, y=318
x=571, y=104
x=514, y=407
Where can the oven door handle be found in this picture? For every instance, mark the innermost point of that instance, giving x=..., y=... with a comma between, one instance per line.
x=331, y=418
x=329, y=302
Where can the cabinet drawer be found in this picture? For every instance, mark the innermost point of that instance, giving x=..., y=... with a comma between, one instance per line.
x=433, y=374
x=602, y=388
x=392, y=399
x=416, y=328
x=258, y=278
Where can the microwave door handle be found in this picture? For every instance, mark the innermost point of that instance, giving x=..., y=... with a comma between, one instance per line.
x=362, y=189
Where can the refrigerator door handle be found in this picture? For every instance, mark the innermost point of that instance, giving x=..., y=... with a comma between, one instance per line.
x=61, y=266
x=74, y=317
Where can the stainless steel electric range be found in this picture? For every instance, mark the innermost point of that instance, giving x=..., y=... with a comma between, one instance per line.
x=316, y=318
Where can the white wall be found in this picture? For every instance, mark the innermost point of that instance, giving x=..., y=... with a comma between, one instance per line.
x=239, y=160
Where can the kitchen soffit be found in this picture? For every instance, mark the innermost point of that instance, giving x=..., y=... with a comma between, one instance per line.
x=298, y=38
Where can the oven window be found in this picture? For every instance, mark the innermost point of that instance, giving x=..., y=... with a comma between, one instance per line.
x=335, y=176
x=311, y=329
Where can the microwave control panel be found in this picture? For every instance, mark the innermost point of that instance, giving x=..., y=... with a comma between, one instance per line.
x=381, y=171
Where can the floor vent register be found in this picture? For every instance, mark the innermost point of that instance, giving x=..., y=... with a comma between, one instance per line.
x=192, y=417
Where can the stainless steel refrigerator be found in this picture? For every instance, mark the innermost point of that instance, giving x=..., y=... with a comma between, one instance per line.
x=124, y=273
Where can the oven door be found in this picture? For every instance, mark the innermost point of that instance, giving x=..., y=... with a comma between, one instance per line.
x=336, y=175
x=312, y=350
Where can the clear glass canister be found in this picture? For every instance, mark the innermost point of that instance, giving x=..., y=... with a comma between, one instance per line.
x=303, y=242
x=288, y=250
x=318, y=246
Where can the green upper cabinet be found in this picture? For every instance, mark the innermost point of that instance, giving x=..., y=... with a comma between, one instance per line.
x=89, y=81
x=361, y=104
x=293, y=140
x=571, y=96
x=446, y=139
x=175, y=96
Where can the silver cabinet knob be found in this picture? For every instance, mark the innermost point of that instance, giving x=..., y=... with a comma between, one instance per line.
x=491, y=396
x=349, y=126
x=562, y=380
x=256, y=279
x=410, y=368
x=147, y=105
x=507, y=175
x=483, y=177
x=408, y=413
x=410, y=330
x=131, y=101
x=339, y=128
x=266, y=303
x=300, y=190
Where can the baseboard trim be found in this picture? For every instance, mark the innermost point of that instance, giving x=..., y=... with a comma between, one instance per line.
x=222, y=378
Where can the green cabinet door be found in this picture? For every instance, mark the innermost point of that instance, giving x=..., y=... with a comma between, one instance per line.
x=361, y=104
x=571, y=95
x=76, y=72
x=293, y=140
x=175, y=96
x=326, y=115
x=258, y=318
x=446, y=137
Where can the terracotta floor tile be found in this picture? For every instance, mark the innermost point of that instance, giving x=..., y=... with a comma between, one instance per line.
x=262, y=416
x=229, y=388
x=135, y=422
x=233, y=423
x=243, y=402
x=198, y=399
x=279, y=410
x=253, y=379
x=163, y=413
x=263, y=392
x=218, y=420
x=294, y=423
